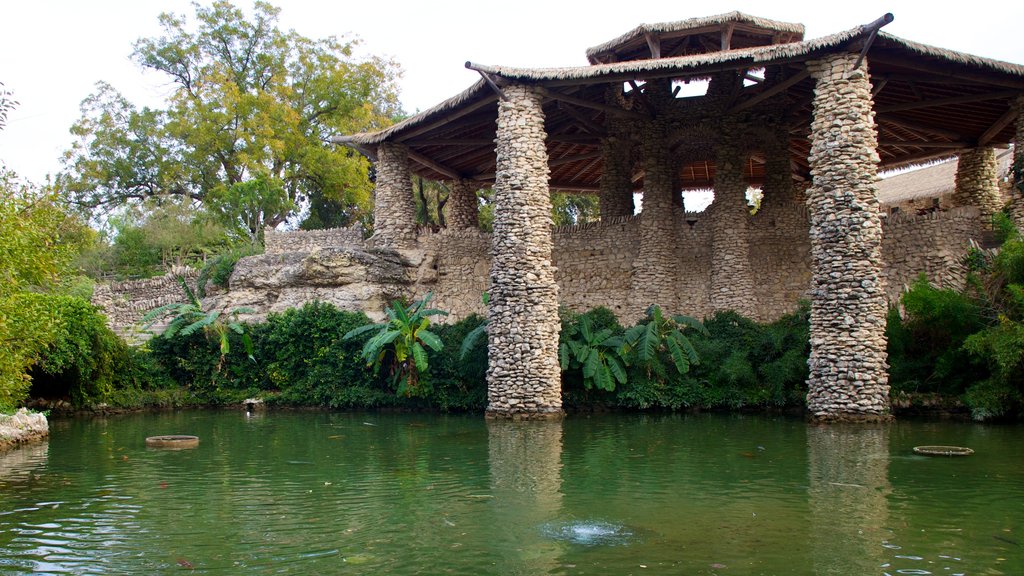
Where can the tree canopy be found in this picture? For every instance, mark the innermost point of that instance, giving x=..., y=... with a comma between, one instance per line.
x=250, y=103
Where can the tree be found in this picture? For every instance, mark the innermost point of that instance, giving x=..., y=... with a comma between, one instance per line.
x=569, y=209
x=7, y=103
x=37, y=242
x=250, y=103
x=400, y=342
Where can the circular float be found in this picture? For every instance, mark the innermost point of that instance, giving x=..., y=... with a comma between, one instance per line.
x=943, y=450
x=173, y=442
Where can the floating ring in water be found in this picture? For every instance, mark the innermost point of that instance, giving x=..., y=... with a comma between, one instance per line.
x=175, y=442
x=943, y=450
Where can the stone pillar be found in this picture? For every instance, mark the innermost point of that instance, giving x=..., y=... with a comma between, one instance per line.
x=848, y=371
x=977, y=183
x=779, y=193
x=732, y=283
x=616, y=181
x=463, y=207
x=654, y=271
x=523, y=376
x=394, y=210
x=1017, y=171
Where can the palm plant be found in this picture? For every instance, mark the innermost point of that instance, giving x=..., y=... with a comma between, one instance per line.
x=659, y=340
x=399, y=341
x=188, y=317
x=597, y=353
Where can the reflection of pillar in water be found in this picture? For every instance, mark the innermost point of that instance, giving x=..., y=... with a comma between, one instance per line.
x=848, y=468
x=526, y=481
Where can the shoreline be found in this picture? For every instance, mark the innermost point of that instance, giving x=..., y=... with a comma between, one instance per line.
x=22, y=427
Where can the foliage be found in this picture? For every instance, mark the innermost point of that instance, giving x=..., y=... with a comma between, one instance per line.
x=399, y=342
x=218, y=270
x=7, y=103
x=430, y=199
x=458, y=380
x=926, y=344
x=37, y=242
x=251, y=103
x=188, y=318
x=597, y=352
x=569, y=209
x=659, y=341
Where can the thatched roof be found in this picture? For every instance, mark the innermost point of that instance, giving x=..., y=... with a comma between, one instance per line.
x=678, y=38
x=928, y=182
x=930, y=103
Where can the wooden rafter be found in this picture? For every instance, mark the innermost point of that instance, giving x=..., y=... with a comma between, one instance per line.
x=772, y=91
x=998, y=126
x=447, y=119
x=654, y=44
x=910, y=124
x=588, y=104
x=948, y=74
x=923, y=144
x=904, y=106
x=435, y=166
x=585, y=123
x=452, y=142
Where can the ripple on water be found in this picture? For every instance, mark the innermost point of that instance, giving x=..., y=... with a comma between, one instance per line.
x=589, y=533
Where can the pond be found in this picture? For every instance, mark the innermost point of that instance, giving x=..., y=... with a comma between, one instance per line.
x=335, y=493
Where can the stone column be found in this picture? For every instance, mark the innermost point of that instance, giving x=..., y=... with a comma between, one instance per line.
x=523, y=376
x=779, y=193
x=654, y=271
x=463, y=207
x=848, y=371
x=977, y=182
x=732, y=283
x=394, y=210
x=1017, y=172
x=616, y=181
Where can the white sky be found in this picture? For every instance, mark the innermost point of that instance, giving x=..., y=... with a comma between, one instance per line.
x=53, y=51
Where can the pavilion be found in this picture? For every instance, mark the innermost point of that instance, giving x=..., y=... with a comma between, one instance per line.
x=809, y=121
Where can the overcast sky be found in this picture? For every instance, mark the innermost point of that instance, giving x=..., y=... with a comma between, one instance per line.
x=53, y=52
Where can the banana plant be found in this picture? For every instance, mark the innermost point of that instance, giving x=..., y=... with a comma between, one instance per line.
x=596, y=353
x=186, y=318
x=400, y=341
x=659, y=340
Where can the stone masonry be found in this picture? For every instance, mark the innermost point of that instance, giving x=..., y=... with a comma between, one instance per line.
x=1017, y=195
x=394, y=212
x=616, y=195
x=523, y=376
x=731, y=278
x=462, y=205
x=848, y=370
x=977, y=182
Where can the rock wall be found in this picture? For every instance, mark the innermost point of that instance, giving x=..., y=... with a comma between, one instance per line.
x=276, y=242
x=593, y=264
x=21, y=427
x=126, y=302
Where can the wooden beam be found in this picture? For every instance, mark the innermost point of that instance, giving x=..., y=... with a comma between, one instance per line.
x=436, y=167
x=588, y=104
x=567, y=187
x=727, y=36
x=642, y=98
x=654, y=44
x=911, y=125
x=576, y=158
x=951, y=72
x=452, y=142
x=586, y=123
x=918, y=158
x=924, y=144
x=998, y=126
x=594, y=139
x=947, y=101
x=772, y=91
x=448, y=118
x=879, y=85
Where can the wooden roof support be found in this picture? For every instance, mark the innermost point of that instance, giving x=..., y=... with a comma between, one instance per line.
x=654, y=44
x=452, y=142
x=727, y=31
x=643, y=98
x=948, y=101
x=436, y=167
x=879, y=85
x=588, y=104
x=587, y=124
x=594, y=139
x=923, y=144
x=949, y=74
x=780, y=87
x=874, y=27
x=576, y=158
x=911, y=125
x=448, y=118
x=998, y=126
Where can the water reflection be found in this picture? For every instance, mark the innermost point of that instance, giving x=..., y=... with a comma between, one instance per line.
x=526, y=482
x=23, y=463
x=848, y=469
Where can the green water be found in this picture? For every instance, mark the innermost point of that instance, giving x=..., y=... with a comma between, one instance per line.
x=325, y=493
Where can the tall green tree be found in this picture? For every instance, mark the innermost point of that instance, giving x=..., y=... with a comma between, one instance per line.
x=37, y=242
x=250, y=103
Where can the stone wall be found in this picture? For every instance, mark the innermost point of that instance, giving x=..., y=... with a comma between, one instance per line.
x=126, y=302
x=932, y=243
x=277, y=242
